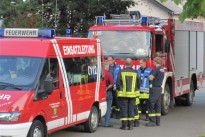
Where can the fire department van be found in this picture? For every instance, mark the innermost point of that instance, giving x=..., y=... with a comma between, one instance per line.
x=48, y=83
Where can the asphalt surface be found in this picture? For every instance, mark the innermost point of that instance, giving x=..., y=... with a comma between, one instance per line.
x=182, y=121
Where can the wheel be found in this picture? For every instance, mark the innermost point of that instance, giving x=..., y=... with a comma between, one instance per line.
x=190, y=96
x=36, y=130
x=166, y=100
x=92, y=123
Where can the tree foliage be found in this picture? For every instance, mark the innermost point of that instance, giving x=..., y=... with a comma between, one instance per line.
x=78, y=15
x=191, y=9
x=19, y=14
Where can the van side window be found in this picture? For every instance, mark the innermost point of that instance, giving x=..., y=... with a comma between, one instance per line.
x=81, y=70
x=159, y=41
x=54, y=72
x=50, y=69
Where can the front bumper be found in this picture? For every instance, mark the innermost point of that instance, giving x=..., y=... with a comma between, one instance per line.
x=14, y=130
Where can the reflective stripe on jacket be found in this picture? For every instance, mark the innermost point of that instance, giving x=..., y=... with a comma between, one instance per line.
x=127, y=83
x=144, y=95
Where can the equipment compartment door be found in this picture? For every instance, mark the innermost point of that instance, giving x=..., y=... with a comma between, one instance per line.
x=200, y=51
x=182, y=54
x=193, y=51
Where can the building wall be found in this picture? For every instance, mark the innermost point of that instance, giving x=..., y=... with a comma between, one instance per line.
x=148, y=8
x=176, y=17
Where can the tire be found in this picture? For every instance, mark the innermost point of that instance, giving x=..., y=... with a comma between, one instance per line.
x=190, y=96
x=166, y=98
x=92, y=123
x=37, y=129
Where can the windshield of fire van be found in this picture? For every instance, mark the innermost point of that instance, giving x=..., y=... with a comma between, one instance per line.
x=18, y=73
x=124, y=43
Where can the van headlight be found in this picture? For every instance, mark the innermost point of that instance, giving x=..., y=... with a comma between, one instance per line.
x=9, y=116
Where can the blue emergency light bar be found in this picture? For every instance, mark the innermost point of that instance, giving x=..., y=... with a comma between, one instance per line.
x=27, y=33
x=68, y=32
x=100, y=19
x=147, y=20
x=144, y=20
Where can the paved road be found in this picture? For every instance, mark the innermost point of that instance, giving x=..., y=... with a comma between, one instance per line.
x=180, y=122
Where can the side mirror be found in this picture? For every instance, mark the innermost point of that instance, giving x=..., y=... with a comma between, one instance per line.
x=167, y=46
x=48, y=85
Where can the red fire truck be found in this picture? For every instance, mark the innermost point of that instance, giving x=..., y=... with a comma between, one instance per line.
x=48, y=83
x=181, y=46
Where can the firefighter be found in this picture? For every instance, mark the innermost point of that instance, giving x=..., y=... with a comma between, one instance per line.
x=154, y=102
x=126, y=86
x=143, y=74
x=114, y=70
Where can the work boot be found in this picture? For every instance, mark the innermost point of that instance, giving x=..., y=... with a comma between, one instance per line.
x=131, y=127
x=136, y=123
x=130, y=124
x=150, y=124
x=158, y=124
x=123, y=128
x=124, y=125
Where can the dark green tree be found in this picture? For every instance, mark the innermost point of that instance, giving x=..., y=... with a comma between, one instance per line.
x=78, y=15
x=191, y=9
x=16, y=13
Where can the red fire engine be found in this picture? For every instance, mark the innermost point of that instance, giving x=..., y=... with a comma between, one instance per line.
x=181, y=46
x=48, y=83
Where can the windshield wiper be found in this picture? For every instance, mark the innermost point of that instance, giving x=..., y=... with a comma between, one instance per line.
x=10, y=85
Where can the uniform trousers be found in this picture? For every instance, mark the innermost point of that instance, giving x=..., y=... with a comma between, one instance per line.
x=127, y=106
x=154, y=105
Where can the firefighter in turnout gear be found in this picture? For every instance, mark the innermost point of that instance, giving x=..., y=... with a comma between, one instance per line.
x=154, y=101
x=114, y=69
x=127, y=87
x=143, y=74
